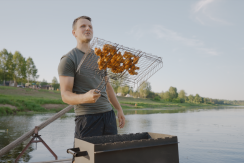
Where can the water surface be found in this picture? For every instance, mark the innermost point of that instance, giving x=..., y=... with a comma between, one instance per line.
x=205, y=135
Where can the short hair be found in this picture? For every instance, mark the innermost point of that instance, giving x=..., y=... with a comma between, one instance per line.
x=81, y=17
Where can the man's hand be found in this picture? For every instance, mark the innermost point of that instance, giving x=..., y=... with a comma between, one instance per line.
x=121, y=118
x=114, y=101
x=92, y=96
x=66, y=84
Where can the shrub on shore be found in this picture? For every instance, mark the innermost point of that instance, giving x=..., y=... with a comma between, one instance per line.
x=5, y=110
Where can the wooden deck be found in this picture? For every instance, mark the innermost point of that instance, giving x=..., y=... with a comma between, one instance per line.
x=56, y=161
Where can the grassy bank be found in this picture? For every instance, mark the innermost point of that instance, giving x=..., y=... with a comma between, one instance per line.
x=13, y=104
x=16, y=100
x=133, y=103
x=22, y=100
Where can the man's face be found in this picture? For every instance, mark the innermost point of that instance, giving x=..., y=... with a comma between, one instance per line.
x=83, y=30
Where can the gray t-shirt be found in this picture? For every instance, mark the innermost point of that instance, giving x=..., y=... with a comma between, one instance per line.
x=84, y=80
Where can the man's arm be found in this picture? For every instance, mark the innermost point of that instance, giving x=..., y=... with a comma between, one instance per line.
x=114, y=101
x=66, y=85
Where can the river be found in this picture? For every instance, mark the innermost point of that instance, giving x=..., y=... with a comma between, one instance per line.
x=212, y=135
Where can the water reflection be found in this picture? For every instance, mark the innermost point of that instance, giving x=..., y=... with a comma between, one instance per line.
x=11, y=128
x=204, y=134
x=177, y=110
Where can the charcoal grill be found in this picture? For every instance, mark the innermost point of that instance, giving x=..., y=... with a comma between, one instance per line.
x=127, y=148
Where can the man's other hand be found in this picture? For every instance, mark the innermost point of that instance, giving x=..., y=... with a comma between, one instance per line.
x=121, y=118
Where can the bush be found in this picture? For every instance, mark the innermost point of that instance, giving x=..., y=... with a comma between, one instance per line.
x=178, y=100
x=33, y=106
x=156, y=98
x=182, y=100
x=168, y=100
x=5, y=110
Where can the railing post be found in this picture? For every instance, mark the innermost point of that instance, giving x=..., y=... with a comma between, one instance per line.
x=36, y=136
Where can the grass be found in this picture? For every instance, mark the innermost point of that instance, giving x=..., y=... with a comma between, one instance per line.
x=28, y=93
x=27, y=100
x=129, y=103
x=5, y=110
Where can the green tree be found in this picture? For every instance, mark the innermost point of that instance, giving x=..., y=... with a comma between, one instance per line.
x=19, y=66
x=131, y=92
x=197, y=99
x=115, y=84
x=144, y=89
x=38, y=84
x=116, y=80
x=206, y=100
x=152, y=95
x=182, y=94
x=136, y=94
x=190, y=98
x=173, y=92
x=161, y=95
x=1, y=75
x=124, y=90
x=167, y=96
x=6, y=65
x=55, y=83
x=55, y=80
x=44, y=82
x=31, y=70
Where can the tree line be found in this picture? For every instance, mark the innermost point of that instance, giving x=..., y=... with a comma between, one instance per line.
x=13, y=66
x=172, y=95
x=121, y=87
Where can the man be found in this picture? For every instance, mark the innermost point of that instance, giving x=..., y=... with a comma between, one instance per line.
x=94, y=114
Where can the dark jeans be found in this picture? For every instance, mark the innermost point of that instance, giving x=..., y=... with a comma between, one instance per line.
x=95, y=125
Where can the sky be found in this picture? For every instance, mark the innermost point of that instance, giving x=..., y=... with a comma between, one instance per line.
x=201, y=42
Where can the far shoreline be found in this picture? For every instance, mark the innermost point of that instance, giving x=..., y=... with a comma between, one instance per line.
x=179, y=108
x=16, y=101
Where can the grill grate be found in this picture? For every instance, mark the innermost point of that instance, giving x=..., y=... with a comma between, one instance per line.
x=116, y=138
x=148, y=64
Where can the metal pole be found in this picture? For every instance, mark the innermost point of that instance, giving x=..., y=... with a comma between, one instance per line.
x=17, y=159
x=50, y=150
x=36, y=141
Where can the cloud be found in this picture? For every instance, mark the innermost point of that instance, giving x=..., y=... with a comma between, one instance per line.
x=209, y=51
x=164, y=33
x=204, y=15
x=201, y=5
x=137, y=32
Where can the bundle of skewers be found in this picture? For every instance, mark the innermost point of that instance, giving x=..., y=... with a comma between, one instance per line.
x=111, y=58
x=117, y=62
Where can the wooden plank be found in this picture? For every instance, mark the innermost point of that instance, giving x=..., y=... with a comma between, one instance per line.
x=56, y=161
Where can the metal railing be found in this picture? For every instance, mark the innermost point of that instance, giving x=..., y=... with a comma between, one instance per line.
x=27, y=135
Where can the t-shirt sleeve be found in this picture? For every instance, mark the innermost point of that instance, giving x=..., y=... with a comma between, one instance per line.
x=66, y=67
